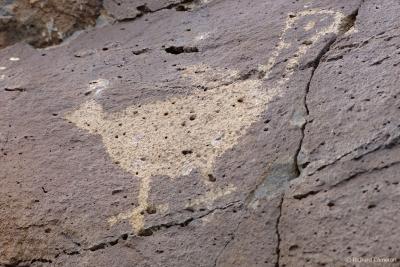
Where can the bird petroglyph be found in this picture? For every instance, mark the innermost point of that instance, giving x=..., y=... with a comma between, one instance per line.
x=172, y=137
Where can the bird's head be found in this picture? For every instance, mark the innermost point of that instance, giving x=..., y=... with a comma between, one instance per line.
x=88, y=116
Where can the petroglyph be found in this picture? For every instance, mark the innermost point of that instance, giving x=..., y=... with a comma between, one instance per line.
x=184, y=133
x=334, y=27
x=172, y=137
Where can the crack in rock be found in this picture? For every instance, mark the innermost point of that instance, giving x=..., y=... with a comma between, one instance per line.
x=278, y=234
x=314, y=64
x=144, y=9
x=345, y=180
x=16, y=89
x=305, y=195
x=379, y=143
x=150, y=230
x=358, y=173
x=389, y=143
x=176, y=50
x=111, y=243
x=346, y=24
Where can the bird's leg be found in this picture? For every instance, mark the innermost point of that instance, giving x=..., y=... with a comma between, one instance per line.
x=137, y=218
x=207, y=174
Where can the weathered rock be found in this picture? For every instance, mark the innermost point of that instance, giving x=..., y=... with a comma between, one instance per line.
x=345, y=202
x=124, y=10
x=202, y=133
x=45, y=22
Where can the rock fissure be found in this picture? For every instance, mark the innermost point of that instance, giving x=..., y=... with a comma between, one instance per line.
x=176, y=50
x=15, y=89
x=349, y=47
x=387, y=142
x=145, y=232
x=277, y=232
x=346, y=24
x=305, y=195
x=314, y=65
x=358, y=173
x=143, y=9
x=150, y=230
x=109, y=243
x=345, y=180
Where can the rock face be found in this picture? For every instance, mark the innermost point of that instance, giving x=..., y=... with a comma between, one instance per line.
x=200, y=133
x=45, y=22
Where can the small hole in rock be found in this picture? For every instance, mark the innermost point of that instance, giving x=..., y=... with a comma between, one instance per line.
x=181, y=8
x=175, y=50
x=211, y=178
x=187, y=152
x=145, y=232
x=151, y=209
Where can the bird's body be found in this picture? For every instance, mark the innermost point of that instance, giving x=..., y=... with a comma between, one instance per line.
x=174, y=136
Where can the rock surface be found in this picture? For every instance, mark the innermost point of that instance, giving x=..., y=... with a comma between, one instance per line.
x=199, y=133
x=45, y=22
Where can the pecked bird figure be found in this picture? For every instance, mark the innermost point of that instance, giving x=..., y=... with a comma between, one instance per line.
x=175, y=136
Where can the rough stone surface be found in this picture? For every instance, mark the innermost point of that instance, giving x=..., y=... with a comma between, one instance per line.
x=199, y=133
x=45, y=22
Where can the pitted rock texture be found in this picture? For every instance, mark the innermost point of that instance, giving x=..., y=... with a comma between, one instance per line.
x=200, y=133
